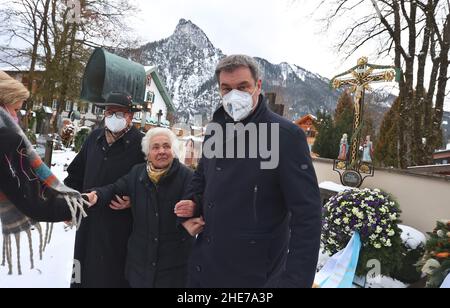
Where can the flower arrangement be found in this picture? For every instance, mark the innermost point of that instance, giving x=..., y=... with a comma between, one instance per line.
x=436, y=262
x=375, y=215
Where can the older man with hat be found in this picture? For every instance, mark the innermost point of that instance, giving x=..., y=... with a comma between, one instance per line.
x=108, y=154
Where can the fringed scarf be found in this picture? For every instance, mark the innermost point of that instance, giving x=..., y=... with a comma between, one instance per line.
x=12, y=220
x=155, y=175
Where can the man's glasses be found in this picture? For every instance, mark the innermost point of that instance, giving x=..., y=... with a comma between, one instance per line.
x=119, y=114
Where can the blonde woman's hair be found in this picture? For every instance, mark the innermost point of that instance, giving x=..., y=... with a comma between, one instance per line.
x=11, y=90
x=4, y=76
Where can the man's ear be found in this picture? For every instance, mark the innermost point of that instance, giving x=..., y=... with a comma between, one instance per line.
x=259, y=85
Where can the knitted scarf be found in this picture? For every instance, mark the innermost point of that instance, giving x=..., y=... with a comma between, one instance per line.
x=13, y=222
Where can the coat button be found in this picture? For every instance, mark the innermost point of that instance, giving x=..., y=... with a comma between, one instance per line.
x=105, y=159
x=154, y=264
x=198, y=268
x=156, y=214
x=210, y=205
x=155, y=240
x=208, y=240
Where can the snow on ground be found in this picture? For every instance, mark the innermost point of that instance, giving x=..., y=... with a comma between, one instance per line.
x=55, y=270
x=412, y=237
x=331, y=186
x=384, y=282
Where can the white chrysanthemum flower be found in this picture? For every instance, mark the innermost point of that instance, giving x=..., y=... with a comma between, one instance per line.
x=441, y=233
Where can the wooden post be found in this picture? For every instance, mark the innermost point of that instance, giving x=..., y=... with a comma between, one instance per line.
x=48, y=153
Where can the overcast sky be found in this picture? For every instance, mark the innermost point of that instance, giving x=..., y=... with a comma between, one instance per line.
x=277, y=30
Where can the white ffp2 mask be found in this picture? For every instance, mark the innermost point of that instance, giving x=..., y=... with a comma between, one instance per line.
x=115, y=124
x=238, y=104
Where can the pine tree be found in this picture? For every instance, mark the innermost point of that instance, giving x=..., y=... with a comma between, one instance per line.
x=368, y=128
x=344, y=105
x=327, y=141
x=343, y=116
x=387, y=146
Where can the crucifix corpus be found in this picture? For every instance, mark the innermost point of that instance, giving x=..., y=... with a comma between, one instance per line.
x=352, y=168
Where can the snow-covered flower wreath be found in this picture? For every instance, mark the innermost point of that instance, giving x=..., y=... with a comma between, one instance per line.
x=372, y=213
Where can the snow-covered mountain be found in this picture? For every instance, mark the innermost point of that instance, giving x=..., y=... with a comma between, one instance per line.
x=186, y=61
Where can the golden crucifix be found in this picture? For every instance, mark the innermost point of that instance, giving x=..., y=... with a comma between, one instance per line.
x=359, y=79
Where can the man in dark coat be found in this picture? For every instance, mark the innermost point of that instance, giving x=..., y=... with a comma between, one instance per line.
x=158, y=250
x=108, y=154
x=263, y=217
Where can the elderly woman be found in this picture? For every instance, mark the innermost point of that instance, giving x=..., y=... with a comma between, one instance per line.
x=158, y=250
x=29, y=191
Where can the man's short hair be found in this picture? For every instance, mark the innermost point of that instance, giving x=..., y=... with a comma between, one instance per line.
x=233, y=62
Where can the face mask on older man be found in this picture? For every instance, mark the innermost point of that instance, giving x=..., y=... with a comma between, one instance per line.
x=115, y=124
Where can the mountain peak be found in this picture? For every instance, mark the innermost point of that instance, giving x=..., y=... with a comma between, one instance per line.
x=183, y=22
x=187, y=31
x=187, y=61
